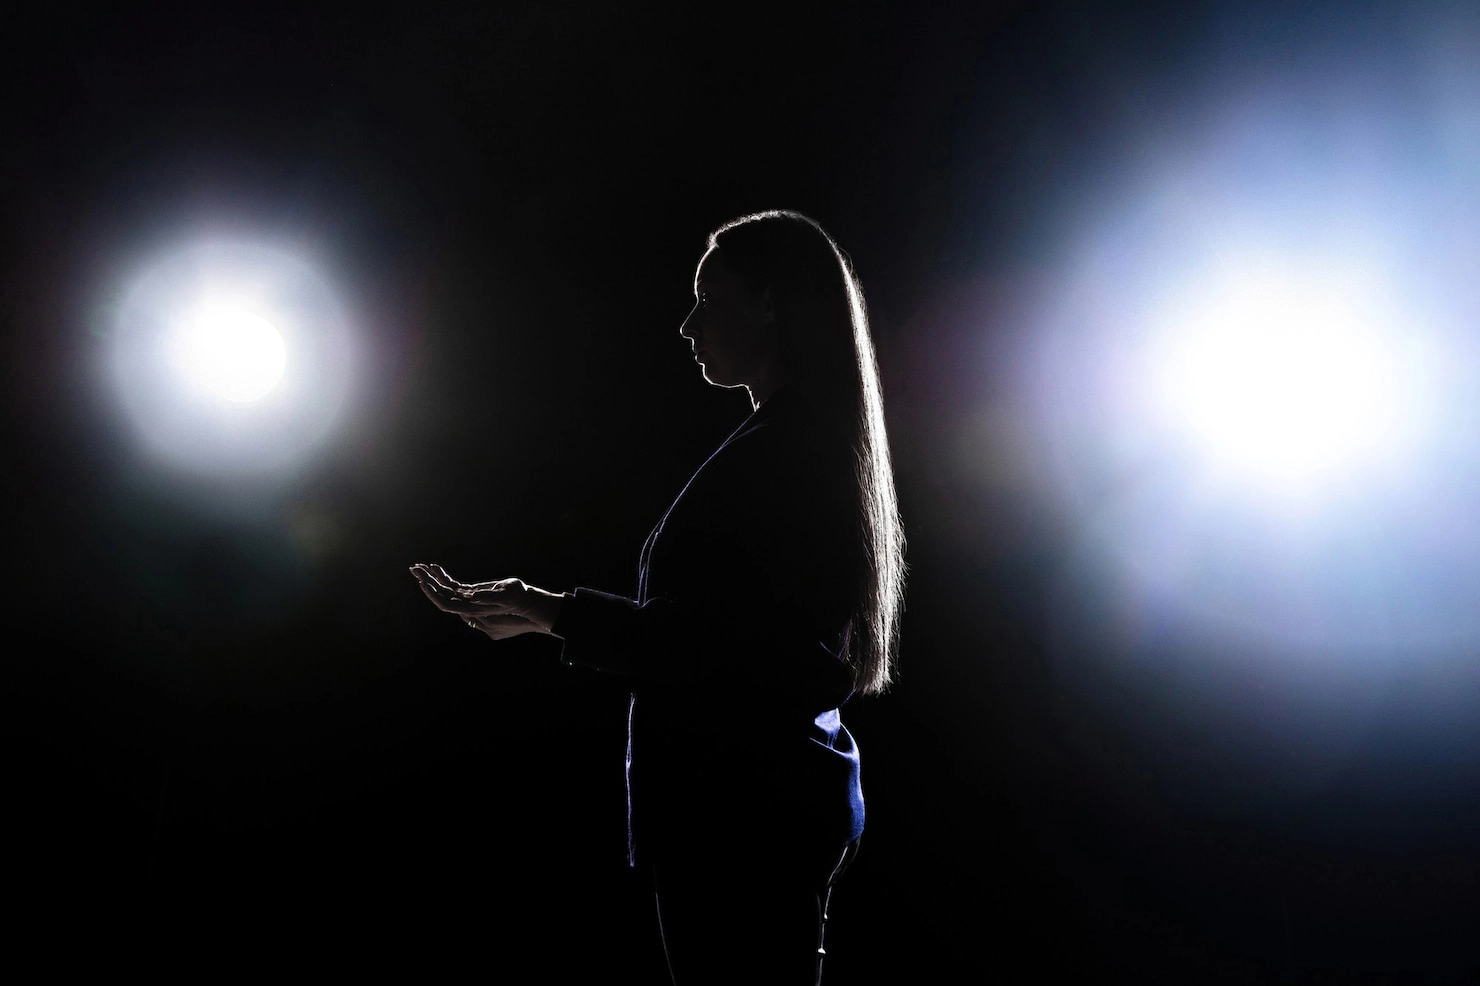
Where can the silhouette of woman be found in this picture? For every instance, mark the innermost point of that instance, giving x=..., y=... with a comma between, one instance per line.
x=768, y=594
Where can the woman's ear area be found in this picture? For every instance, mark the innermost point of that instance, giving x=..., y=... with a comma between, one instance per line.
x=768, y=308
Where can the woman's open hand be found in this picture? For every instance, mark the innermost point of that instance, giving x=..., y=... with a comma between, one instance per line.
x=501, y=608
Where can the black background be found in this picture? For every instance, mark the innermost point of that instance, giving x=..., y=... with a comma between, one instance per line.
x=245, y=738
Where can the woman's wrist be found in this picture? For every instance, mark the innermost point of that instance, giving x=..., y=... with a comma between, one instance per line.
x=545, y=607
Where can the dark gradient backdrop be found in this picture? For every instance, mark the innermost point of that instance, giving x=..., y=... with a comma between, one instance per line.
x=237, y=735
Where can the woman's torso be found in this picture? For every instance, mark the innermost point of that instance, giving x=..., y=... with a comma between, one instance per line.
x=764, y=538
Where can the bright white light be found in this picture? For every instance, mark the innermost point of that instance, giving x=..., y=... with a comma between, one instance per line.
x=236, y=355
x=1281, y=379
x=231, y=359
x=1256, y=374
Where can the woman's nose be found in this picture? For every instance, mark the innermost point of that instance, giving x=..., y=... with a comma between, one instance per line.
x=690, y=327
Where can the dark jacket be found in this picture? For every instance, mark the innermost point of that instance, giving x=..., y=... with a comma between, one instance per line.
x=732, y=647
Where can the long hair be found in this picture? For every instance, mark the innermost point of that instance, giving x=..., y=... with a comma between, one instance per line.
x=828, y=353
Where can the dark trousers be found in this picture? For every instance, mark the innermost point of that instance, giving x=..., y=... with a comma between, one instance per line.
x=746, y=917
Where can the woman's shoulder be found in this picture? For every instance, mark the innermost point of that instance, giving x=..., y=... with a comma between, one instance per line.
x=788, y=436
x=796, y=417
x=791, y=462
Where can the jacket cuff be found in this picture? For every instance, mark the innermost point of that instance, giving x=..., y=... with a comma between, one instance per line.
x=583, y=625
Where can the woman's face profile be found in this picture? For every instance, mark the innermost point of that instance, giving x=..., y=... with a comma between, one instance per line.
x=731, y=328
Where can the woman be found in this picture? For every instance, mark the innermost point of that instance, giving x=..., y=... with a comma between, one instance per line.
x=768, y=594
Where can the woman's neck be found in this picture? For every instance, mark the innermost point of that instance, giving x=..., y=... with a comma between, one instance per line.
x=762, y=389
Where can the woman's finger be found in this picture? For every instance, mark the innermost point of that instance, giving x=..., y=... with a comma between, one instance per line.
x=427, y=582
x=456, y=598
x=441, y=602
x=439, y=573
x=439, y=578
x=448, y=602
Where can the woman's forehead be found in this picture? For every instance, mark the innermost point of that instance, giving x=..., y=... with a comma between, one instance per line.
x=712, y=270
x=705, y=270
